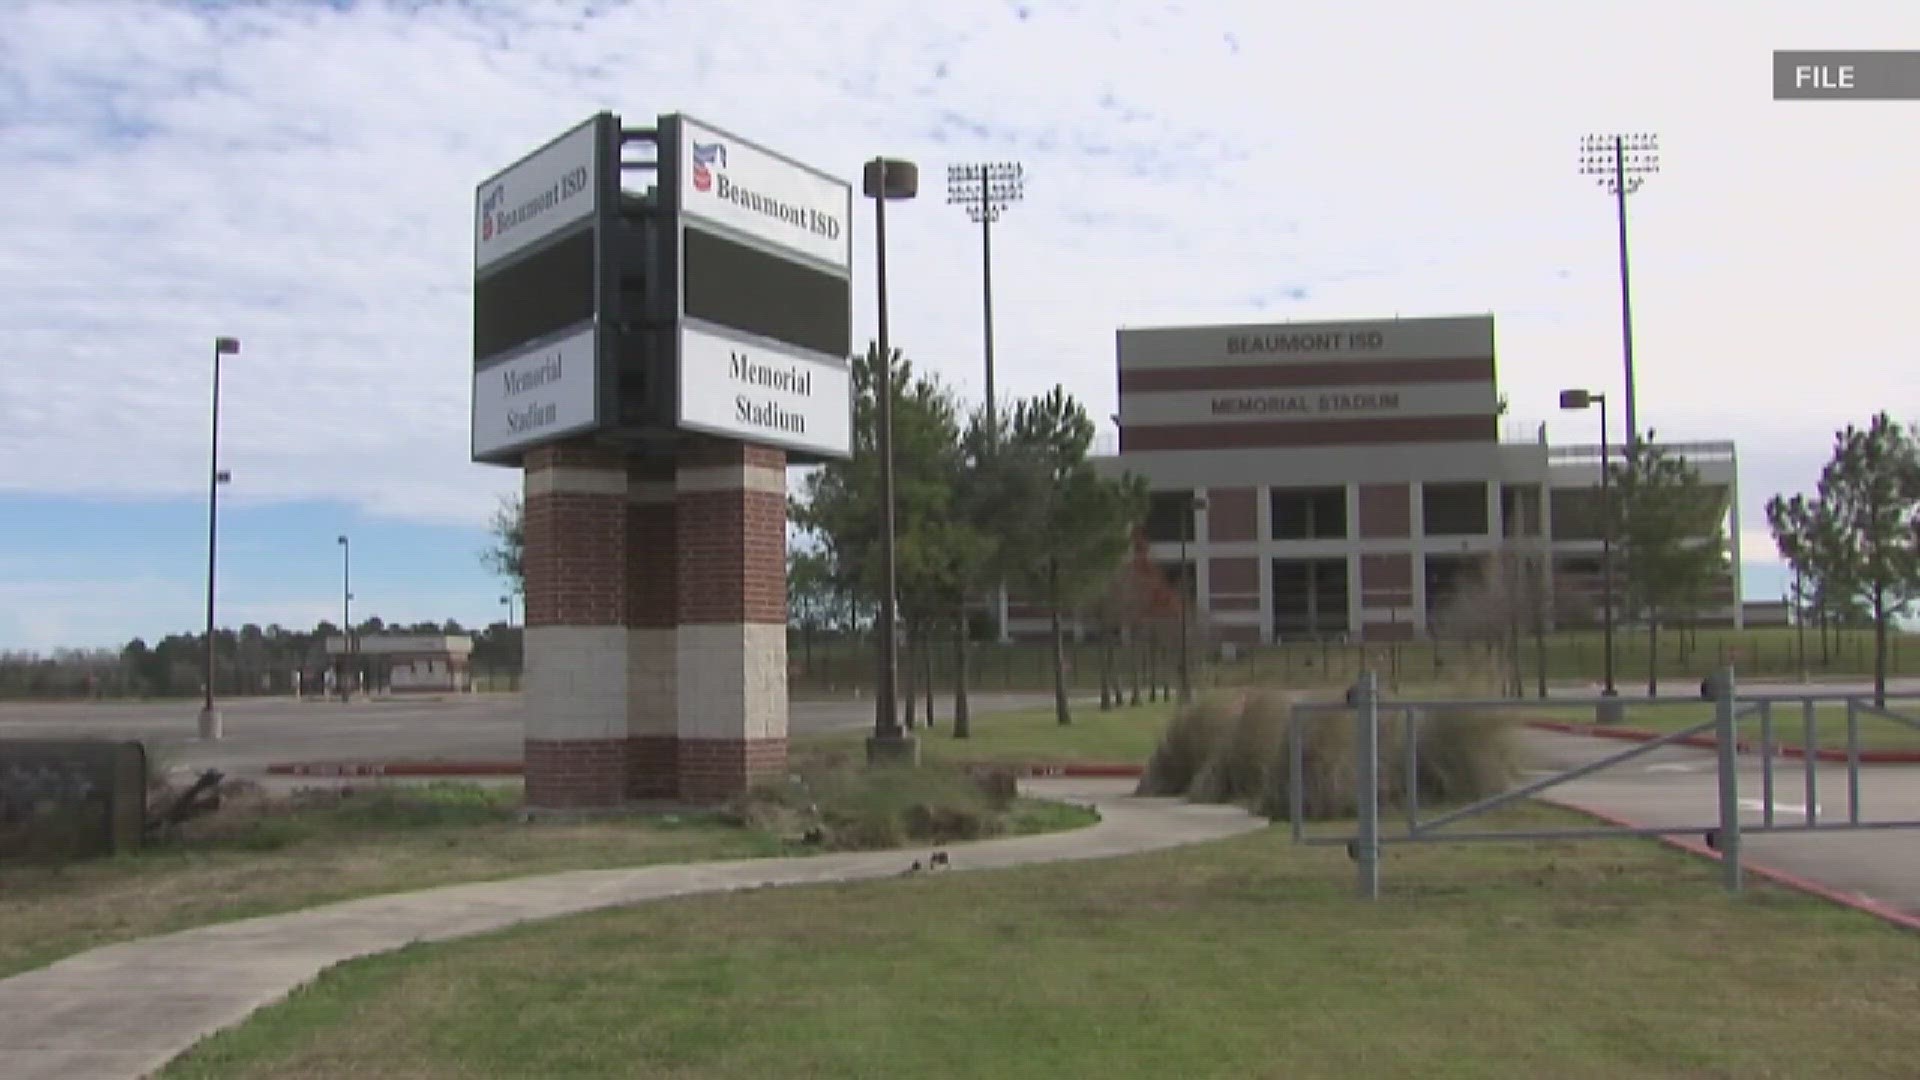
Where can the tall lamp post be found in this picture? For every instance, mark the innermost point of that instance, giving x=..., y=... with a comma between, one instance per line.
x=1575, y=400
x=346, y=617
x=1620, y=164
x=508, y=600
x=1189, y=587
x=209, y=716
x=885, y=179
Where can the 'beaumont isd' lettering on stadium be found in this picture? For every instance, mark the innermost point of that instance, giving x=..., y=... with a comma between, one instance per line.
x=1318, y=341
x=766, y=412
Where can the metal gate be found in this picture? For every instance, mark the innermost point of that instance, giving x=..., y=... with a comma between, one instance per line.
x=1723, y=835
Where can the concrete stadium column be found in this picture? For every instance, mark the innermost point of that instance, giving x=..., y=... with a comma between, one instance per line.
x=576, y=675
x=730, y=525
x=652, y=619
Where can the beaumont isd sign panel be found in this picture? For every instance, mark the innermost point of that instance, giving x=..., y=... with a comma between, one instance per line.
x=756, y=193
x=759, y=384
x=548, y=191
x=536, y=362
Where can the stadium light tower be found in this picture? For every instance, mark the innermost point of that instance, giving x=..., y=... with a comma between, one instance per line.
x=1620, y=164
x=986, y=190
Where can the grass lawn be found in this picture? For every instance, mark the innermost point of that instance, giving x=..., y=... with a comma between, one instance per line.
x=1789, y=725
x=382, y=839
x=1237, y=959
x=1030, y=736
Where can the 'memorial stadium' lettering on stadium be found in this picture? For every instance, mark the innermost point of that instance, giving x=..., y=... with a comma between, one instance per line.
x=1305, y=404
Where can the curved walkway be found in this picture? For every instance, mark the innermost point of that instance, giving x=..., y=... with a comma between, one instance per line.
x=125, y=1010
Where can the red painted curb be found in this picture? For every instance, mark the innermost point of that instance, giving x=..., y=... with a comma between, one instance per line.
x=1043, y=771
x=514, y=768
x=397, y=768
x=1863, y=904
x=1707, y=742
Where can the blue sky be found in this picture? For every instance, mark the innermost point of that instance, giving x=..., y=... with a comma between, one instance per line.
x=299, y=175
x=101, y=566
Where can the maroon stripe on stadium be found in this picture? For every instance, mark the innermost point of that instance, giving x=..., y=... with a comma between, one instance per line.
x=1337, y=373
x=1244, y=436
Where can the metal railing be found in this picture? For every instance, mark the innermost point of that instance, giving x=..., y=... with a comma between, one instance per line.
x=1720, y=450
x=1722, y=835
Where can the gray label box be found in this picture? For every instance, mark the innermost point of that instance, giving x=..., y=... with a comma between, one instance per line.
x=1851, y=75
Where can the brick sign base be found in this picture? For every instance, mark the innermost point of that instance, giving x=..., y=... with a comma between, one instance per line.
x=656, y=647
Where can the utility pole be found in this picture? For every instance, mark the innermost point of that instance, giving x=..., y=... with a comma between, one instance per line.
x=346, y=616
x=1620, y=164
x=209, y=716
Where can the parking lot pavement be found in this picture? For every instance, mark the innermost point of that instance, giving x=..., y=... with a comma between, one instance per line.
x=261, y=731
x=1677, y=786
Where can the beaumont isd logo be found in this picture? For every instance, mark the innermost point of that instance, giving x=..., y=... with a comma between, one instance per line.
x=488, y=207
x=706, y=158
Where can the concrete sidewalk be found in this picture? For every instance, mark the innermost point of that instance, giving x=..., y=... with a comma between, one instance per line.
x=126, y=1010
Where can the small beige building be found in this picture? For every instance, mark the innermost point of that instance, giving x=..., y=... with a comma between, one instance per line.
x=405, y=663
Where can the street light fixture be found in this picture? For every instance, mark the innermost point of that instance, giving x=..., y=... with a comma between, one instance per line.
x=1189, y=587
x=1620, y=164
x=508, y=600
x=1574, y=401
x=209, y=716
x=346, y=617
x=885, y=179
x=986, y=190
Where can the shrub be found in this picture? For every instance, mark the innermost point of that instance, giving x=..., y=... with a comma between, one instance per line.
x=1466, y=755
x=1187, y=744
x=1237, y=763
x=856, y=809
x=1243, y=746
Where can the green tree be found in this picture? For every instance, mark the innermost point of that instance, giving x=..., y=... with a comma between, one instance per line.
x=1815, y=547
x=1871, y=487
x=971, y=544
x=813, y=596
x=506, y=556
x=840, y=502
x=1064, y=528
x=146, y=668
x=1672, y=531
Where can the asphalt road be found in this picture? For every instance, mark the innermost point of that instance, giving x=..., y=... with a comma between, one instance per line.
x=262, y=731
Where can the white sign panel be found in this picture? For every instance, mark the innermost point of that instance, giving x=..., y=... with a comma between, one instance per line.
x=743, y=187
x=763, y=393
x=548, y=191
x=536, y=395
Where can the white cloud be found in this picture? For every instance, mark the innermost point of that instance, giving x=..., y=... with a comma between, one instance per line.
x=299, y=177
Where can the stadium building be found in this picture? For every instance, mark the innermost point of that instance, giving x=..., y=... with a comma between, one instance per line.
x=1346, y=480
